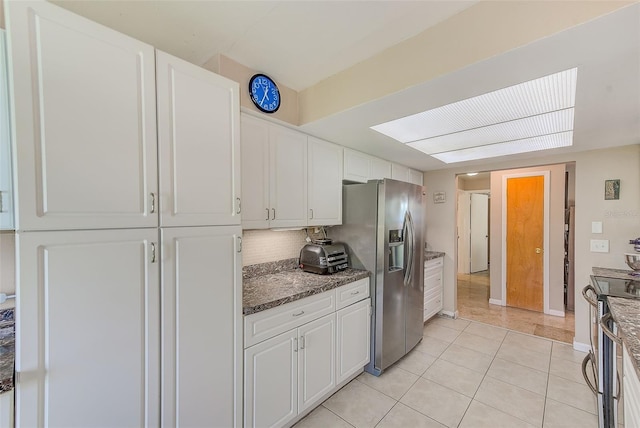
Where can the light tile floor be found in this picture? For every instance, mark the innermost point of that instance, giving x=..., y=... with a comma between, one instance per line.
x=469, y=375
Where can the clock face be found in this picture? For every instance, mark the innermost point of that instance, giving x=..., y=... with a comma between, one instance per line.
x=264, y=93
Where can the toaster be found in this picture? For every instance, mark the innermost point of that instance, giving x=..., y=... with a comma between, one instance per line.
x=323, y=257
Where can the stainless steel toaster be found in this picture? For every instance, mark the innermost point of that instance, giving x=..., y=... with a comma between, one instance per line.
x=323, y=257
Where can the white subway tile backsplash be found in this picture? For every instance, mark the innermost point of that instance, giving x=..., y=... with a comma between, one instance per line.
x=262, y=246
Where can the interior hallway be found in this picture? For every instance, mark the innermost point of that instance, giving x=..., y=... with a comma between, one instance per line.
x=473, y=304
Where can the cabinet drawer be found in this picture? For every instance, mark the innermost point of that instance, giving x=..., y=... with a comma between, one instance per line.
x=431, y=294
x=352, y=292
x=432, y=279
x=266, y=324
x=434, y=263
x=432, y=307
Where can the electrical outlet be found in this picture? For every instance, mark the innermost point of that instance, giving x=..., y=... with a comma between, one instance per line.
x=599, y=245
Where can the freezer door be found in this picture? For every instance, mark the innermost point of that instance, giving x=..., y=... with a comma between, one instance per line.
x=414, y=320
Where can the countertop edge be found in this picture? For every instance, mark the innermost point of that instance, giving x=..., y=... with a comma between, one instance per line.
x=430, y=255
x=625, y=314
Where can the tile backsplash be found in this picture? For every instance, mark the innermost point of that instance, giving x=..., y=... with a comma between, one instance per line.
x=262, y=246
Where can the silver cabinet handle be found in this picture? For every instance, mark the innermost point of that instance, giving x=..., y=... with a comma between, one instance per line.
x=274, y=213
x=302, y=342
x=588, y=298
x=239, y=244
x=311, y=213
x=590, y=358
x=153, y=252
x=295, y=344
x=267, y=214
x=153, y=203
x=605, y=328
x=239, y=206
x=298, y=314
x=2, y=192
x=353, y=293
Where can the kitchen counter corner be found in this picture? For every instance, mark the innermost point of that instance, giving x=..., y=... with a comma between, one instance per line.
x=625, y=313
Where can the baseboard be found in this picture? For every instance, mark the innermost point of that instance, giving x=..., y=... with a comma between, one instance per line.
x=583, y=347
x=449, y=314
x=556, y=313
x=495, y=302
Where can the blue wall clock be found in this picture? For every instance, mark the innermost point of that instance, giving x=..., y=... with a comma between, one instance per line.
x=264, y=93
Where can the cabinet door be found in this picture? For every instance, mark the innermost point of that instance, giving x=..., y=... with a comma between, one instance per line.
x=379, y=169
x=6, y=185
x=356, y=166
x=400, y=172
x=202, y=312
x=325, y=183
x=316, y=360
x=353, y=338
x=198, y=144
x=288, y=172
x=416, y=177
x=255, y=173
x=271, y=381
x=88, y=326
x=84, y=111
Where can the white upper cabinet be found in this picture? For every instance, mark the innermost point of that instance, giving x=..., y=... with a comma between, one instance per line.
x=360, y=168
x=356, y=166
x=6, y=186
x=379, y=169
x=400, y=172
x=198, y=145
x=256, y=211
x=416, y=177
x=84, y=111
x=325, y=183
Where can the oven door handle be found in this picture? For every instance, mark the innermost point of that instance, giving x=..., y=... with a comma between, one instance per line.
x=589, y=299
x=604, y=321
x=590, y=358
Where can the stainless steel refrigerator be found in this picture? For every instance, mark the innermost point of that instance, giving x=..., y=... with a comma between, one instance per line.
x=382, y=227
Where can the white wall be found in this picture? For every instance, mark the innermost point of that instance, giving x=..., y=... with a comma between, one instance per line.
x=621, y=219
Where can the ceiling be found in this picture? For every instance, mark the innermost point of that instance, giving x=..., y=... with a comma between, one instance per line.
x=300, y=43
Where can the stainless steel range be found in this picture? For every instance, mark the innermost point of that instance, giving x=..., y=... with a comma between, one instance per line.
x=603, y=357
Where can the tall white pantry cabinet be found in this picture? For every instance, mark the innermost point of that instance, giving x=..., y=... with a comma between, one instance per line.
x=128, y=239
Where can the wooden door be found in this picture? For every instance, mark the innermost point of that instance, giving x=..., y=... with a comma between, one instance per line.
x=198, y=145
x=316, y=360
x=202, y=308
x=255, y=173
x=479, y=232
x=325, y=183
x=88, y=320
x=84, y=105
x=525, y=242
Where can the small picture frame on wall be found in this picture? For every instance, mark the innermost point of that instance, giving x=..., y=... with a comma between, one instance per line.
x=439, y=197
x=611, y=189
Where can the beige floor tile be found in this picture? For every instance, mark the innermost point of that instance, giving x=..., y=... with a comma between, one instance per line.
x=431, y=346
x=460, y=379
x=566, y=352
x=524, y=357
x=530, y=343
x=482, y=416
x=359, y=404
x=478, y=343
x=572, y=393
x=519, y=402
x=402, y=416
x=445, y=334
x=442, y=404
x=522, y=376
x=456, y=324
x=465, y=357
x=394, y=382
x=488, y=331
x=558, y=415
x=416, y=362
x=321, y=417
x=566, y=369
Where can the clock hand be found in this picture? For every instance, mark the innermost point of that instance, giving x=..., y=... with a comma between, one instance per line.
x=265, y=94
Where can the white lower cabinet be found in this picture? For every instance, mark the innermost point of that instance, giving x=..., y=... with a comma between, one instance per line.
x=631, y=391
x=291, y=372
x=433, y=287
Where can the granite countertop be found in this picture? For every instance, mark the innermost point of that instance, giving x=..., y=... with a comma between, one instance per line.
x=7, y=349
x=614, y=273
x=626, y=313
x=430, y=255
x=268, y=285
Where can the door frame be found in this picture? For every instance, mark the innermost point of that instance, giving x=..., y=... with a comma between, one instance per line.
x=545, y=234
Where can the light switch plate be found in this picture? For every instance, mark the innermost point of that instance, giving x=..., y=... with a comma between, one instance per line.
x=596, y=227
x=599, y=245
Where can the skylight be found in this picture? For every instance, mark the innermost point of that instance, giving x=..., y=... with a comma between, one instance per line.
x=530, y=116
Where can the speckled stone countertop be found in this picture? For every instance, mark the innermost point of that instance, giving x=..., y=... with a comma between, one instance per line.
x=626, y=313
x=430, y=255
x=268, y=285
x=7, y=349
x=614, y=273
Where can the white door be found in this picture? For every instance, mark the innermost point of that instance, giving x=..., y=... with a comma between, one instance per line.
x=6, y=185
x=316, y=360
x=84, y=110
x=379, y=169
x=400, y=172
x=271, y=381
x=353, y=338
x=325, y=183
x=479, y=232
x=88, y=329
x=198, y=145
x=464, y=233
x=356, y=166
x=288, y=172
x=256, y=211
x=201, y=312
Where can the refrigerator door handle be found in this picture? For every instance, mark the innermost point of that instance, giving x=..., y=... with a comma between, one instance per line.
x=409, y=239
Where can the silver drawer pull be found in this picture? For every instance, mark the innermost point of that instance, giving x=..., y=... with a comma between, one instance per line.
x=353, y=293
x=298, y=314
